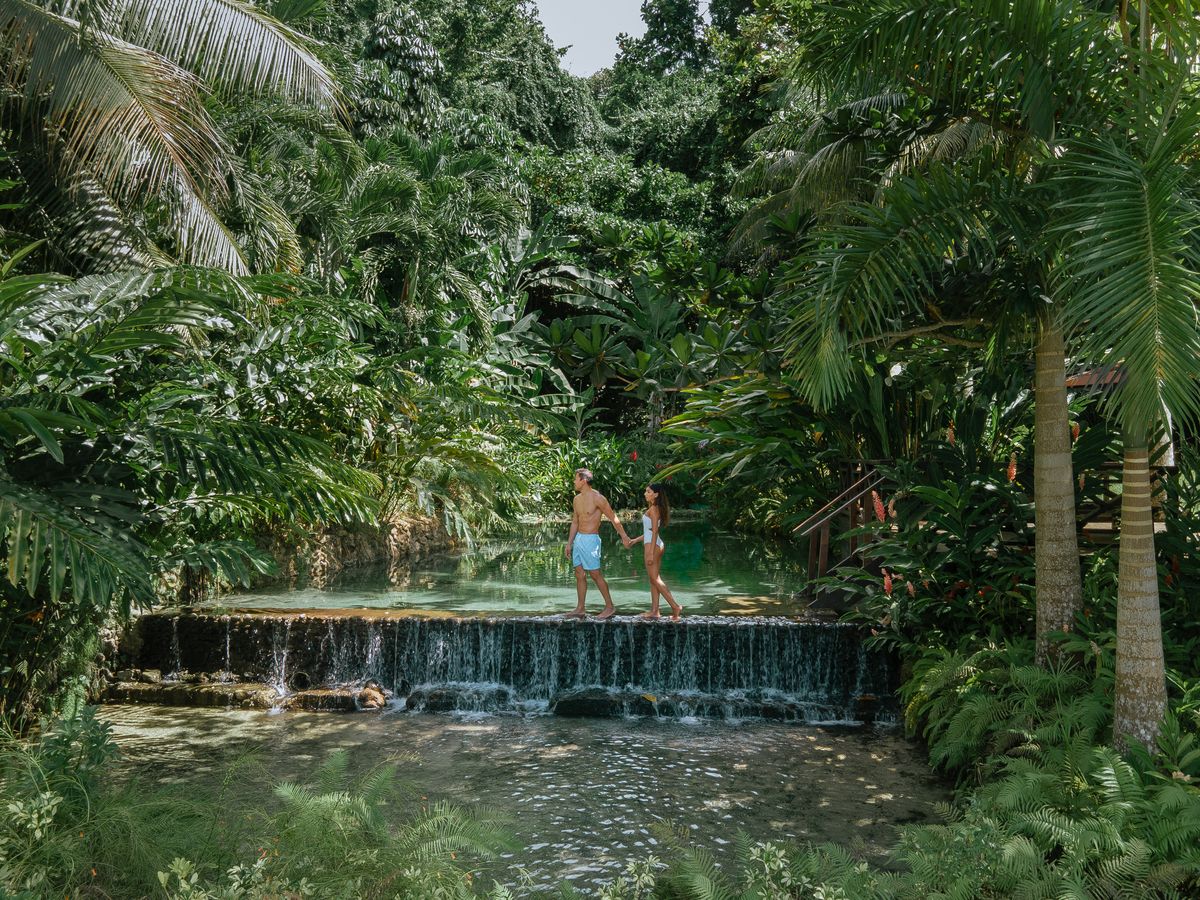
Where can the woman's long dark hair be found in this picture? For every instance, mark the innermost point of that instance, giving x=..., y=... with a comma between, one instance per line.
x=660, y=500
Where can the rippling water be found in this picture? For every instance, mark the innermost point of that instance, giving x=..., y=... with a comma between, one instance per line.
x=711, y=572
x=584, y=796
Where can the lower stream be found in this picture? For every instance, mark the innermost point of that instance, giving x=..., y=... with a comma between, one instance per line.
x=584, y=796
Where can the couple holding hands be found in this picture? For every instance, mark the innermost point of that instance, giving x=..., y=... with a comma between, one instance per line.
x=583, y=545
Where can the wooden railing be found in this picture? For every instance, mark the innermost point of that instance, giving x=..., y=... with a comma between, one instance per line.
x=861, y=477
x=1103, y=509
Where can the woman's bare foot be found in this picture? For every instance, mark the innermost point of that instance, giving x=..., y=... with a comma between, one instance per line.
x=650, y=616
x=676, y=612
x=609, y=611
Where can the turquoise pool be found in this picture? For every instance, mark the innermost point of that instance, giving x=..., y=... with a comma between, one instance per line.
x=525, y=572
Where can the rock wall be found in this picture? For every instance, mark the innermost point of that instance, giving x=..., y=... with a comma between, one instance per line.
x=316, y=558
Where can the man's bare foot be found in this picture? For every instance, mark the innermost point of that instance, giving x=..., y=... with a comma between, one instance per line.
x=609, y=611
x=575, y=614
x=650, y=616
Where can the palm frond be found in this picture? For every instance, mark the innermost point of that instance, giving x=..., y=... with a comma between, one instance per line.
x=53, y=538
x=861, y=276
x=1127, y=278
x=231, y=44
x=959, y=54
x=126, y=116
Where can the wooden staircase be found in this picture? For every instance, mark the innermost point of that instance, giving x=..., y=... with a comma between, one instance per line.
x=860, y=478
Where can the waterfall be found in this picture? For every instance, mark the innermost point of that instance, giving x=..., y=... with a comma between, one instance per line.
x=277, y=676
x=176, y=664
x=733, y=667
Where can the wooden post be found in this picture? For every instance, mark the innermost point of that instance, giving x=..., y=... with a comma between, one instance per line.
x=823, y=562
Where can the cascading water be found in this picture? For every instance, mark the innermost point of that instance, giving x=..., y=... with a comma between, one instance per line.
x=226, y=673
x=733, y=667
x=277, y=676
x=176, y=664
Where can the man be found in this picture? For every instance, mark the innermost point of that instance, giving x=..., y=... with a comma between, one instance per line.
x=583, y=545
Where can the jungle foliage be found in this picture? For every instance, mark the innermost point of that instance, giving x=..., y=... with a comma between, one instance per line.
x=312, y=262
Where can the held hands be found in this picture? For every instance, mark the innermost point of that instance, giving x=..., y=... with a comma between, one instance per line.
x=627, y=541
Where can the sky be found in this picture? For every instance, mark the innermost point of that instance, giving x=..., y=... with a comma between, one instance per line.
x=591, y=28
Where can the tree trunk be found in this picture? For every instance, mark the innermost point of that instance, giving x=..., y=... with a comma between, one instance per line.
x=1141, y=688
x=654, y=418
x=1058, y=584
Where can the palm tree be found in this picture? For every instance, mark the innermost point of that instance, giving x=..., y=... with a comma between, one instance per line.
x=1130, y=286
x=957, y=192
x=1045, y=197
x=105, y=107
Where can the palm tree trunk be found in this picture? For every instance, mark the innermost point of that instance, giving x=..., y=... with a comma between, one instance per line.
x=1059, y=585
x=1141, y=689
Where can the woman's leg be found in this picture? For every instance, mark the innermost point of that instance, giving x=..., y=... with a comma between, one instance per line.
x=651, y=573
x=656, y=581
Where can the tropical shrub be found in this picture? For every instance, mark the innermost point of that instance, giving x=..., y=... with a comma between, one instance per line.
x=949, y=558
x=73, y=826
x=127, y=450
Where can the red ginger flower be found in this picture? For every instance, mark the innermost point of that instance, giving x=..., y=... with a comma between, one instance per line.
x=633, y=456
x=878, y=503
x=1012, y=467
x=887, y=582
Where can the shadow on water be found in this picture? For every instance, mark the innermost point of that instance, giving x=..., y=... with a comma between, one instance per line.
x=584, y=796
x=525, y=571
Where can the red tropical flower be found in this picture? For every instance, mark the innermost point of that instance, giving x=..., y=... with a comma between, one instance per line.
x=887, y=582
x=633, y=456
x=1012, y=467
x=912, y=591
x=878, y=503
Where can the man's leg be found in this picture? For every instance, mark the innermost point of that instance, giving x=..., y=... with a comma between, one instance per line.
x=609, y=609
x=581, y=591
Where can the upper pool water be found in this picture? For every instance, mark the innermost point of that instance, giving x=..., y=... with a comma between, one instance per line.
x=525, y=571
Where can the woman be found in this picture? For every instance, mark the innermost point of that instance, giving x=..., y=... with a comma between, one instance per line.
x=656, y=517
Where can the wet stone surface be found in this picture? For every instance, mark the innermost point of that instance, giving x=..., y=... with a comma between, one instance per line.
x=584, y=796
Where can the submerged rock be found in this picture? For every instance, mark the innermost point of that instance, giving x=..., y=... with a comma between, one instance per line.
x=247, y=696
x=588, y=702
x=433, y=699
x=372, y=696
x=323, y=699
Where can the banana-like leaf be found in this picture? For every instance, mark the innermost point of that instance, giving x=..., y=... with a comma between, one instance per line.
x=69, y=547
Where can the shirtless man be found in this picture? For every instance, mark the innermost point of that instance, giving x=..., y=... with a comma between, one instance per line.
x=583, y=545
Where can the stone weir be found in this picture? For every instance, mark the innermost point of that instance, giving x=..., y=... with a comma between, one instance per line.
x=730, y=667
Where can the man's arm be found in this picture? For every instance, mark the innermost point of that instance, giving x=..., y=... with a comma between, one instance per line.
x=607, y=511
x=574, y=529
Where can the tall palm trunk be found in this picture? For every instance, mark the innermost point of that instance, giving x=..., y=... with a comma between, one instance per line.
x=1141, y=689
x=1059, y=585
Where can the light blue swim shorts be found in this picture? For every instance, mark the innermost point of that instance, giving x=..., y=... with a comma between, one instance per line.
x=586, y=551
